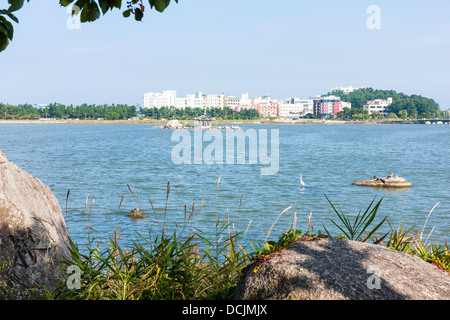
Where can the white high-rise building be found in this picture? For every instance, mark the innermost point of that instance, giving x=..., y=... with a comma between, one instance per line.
x=195, y=100
x=292, y=107
x=232, y=102
x=181, y=103
x=289, y=110
x=170, y=95
x=378, y=105
x=151, y=100
x=308, y=106
x=295, y=107
x=213, y=101
x=159, y=100
x=245, y=101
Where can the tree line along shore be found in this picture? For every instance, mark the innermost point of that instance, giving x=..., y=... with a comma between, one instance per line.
x=403, y=107
x=261, y=121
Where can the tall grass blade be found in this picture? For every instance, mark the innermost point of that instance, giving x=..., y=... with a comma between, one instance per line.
x=270, y=230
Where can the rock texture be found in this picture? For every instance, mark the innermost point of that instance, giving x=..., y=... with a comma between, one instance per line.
x=174, y=124
x=33, y=233
x=384, y=183
x=340, y=269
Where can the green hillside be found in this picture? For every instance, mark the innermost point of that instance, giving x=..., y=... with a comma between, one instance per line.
x=416, y=106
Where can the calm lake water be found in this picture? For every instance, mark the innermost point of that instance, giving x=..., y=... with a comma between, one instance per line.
x=97, y=162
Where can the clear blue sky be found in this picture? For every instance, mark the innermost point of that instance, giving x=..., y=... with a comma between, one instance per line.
x=288, y=48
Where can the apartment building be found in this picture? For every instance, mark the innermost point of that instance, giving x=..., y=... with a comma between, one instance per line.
x=308, y=106
x=195, y=100
x=268, y=109
x=295, y=107
x=181, y=103
x=214, y=101
x=159, y=100
x=232, y=102
x=169, y=98
x=378, y=105
x=245, y=101
x=289, y=110
x=266, y=106
x=329, y=106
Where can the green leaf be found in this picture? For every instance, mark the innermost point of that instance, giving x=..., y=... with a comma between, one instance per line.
x=65, y=3
x=138, y=14
x=13, y=17
x=90, y=12
x=15, y=5
x=104, y=5
x=159, y=5
x=80, y=4
x=126, y=13
x=4, y=41
x=9, y=14
x=115, y=3
x=6, y=28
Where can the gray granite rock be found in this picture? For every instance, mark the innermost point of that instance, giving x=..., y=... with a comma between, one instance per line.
x=340, y=269
x=174, y=124
x=33, y=233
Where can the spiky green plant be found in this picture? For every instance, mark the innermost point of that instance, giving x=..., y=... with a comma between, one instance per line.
x=399, y=239
x=354, y=230
x=414, y=243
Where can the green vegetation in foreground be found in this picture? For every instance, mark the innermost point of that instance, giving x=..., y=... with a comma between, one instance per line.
x=188, y=264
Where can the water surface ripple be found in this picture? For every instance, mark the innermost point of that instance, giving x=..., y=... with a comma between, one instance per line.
x=99, y=161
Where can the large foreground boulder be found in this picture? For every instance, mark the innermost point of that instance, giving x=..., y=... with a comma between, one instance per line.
x=33, y=233
x=339, y=269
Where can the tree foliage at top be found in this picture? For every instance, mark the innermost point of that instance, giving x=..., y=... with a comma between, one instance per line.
x=89, y=10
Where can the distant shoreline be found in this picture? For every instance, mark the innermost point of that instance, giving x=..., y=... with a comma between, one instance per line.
x=301, y=121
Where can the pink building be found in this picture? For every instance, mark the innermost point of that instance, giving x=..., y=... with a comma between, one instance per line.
x=329, y=106
x=268, y=109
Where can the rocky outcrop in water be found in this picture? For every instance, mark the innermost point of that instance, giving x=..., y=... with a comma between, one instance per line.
x=385, y=182
x=174, y=124
x=33, y=233
x=340, y=269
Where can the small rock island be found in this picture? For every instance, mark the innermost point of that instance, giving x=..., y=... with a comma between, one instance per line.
x=385, y=182
x=203, y=122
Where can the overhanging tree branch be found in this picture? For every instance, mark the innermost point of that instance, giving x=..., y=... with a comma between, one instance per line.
x=89, y=10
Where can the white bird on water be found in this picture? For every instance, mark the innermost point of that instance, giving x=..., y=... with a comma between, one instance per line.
x=301, y=181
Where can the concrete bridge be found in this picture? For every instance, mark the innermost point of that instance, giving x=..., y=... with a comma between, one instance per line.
x=433, y=121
